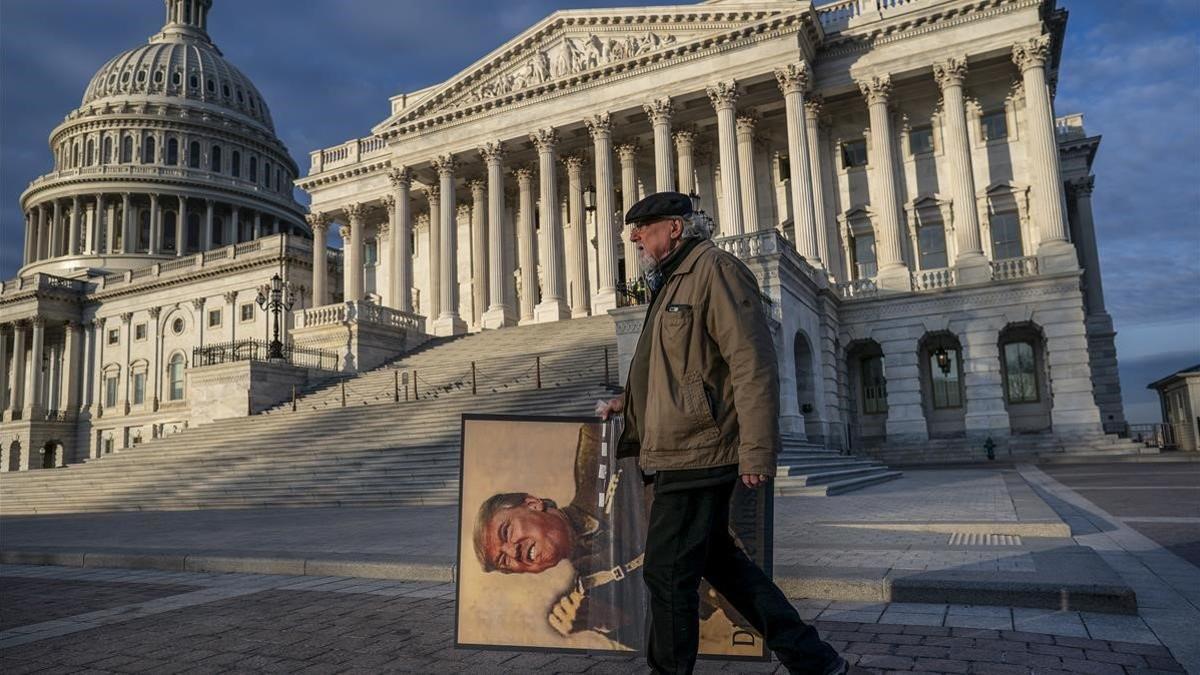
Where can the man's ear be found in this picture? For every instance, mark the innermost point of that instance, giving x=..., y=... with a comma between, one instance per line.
x=534, y=503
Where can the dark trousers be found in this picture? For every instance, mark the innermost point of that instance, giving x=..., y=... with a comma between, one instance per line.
x=688, y=539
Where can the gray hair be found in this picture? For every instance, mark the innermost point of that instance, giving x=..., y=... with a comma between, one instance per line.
x=483, y=520
x=697, y=226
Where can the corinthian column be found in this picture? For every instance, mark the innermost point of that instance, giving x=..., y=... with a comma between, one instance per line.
x=527, y=256
x=892, y=272
x=73, y=237
x=627, y=154
x=384, y=236
x=724, y=99
x=600, y=127
x=480, y=226
x=577, y=247
x=552, y=307
x=499, y=312
x=659, y=111
x=448, y=322
x=127, y=243
x=401, y=281
x=794, y=79
x=746, y=122
x=319, y=223
x=1054, y=252
x=684, y=145
x=972, y=266
x=352, y=257
x=433, y=301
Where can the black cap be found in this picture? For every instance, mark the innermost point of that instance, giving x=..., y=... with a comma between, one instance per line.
x=660, y=205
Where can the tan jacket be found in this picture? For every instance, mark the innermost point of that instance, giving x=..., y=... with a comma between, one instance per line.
x=713, y=396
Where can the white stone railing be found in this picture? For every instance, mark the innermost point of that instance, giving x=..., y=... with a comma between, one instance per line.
x=766, y=242
x=41, y=282
x=857, y=288
x=360, y=312
x=1014, y=268
x=929, y=280
x=837, y=16
x=1069, y=126
x=140, y=171
x=347, y=153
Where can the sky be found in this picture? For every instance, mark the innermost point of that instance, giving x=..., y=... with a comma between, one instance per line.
x=327, y=67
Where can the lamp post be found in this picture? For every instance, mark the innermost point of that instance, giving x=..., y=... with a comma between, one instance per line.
x=277, y=298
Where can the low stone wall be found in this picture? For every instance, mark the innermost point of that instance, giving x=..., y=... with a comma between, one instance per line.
x=241, y=388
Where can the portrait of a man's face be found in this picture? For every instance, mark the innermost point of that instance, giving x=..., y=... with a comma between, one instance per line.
x=552, y=530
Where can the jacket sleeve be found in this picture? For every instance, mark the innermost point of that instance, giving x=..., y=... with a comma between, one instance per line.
x=737, y=323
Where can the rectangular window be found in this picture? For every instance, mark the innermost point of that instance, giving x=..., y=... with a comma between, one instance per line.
x=175, y=375
x=139, y=331
x=946, y=393
x=785, y=167
x=854, y=153
x=874, y=386
x=932, y=241
x=995, y=125
x=114, y=336
x=247, y=312
x=108, y=445
x=1006, y=235
x=864, y=256
x=370, y=254
x=110, y=391
x=1020, y=373
x=139, y=388
x=214, y=318
x=920, y=140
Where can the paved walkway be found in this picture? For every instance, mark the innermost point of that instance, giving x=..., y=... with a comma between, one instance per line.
x=97, y=621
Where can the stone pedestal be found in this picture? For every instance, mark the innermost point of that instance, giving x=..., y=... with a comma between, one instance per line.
x=628, y=321
x=361, y=334
x=240, y=388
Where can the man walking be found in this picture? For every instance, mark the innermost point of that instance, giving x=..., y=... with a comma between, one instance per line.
x=701, y=408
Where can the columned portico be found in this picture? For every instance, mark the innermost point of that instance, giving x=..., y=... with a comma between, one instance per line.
x=553, y=306
x=448, y=320
x=793, y=80
x=893, y=273
x=577, y=244
x=659, y=111
x=352, y=245
x=972, y=266
x=724, y=97
x=527, y=246
x=607, y=221
x=627, y=154
x=402, y=230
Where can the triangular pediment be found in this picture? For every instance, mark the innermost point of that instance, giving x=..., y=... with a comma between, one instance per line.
x=572, y=46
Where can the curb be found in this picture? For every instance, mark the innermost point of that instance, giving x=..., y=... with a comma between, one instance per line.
x=847, y=584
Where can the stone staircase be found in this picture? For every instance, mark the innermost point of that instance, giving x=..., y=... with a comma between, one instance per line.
x=1043, y=447
x=385, y=437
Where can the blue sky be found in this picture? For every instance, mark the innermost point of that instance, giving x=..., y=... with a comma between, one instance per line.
x=327, y=68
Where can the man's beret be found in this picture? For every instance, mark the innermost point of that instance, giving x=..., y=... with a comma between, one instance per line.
x=660, y=205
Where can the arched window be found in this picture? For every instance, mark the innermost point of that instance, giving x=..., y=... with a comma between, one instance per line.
x=89, y=156
x=75, y=155
x=194, y=155
x=172, y=152
x=279, y=179
x=215, y=160
x=126, y=149
x=267, y=174
x=175, y=377
x=168, y=230
x=236, y=164
x=253, y=169
x=148, y=149
x=106, y=150
x=143, y=240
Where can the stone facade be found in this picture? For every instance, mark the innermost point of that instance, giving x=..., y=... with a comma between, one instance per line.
x=893, y=173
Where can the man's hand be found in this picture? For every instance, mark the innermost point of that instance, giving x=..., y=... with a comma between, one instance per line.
x=754, y=480
x=613, y=407
x=563, y=613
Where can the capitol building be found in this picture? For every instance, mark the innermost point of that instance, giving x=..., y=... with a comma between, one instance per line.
x=895, y=173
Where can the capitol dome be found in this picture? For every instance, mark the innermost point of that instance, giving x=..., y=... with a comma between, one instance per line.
x=171, y=152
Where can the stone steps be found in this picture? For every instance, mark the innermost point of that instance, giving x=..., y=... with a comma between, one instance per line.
x=784, y=488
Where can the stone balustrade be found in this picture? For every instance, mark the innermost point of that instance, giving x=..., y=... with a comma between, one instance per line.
x=930, y=280
x=198, y=177
x=349, y=152
x=41, y=282
x=857, y=288
x=837, y=16
x=359, y=312
x=1014, y=268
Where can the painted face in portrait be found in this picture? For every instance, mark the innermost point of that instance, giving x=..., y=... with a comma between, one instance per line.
x=528, y=538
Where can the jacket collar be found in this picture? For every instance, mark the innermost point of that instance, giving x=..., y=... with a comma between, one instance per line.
x=686, y=265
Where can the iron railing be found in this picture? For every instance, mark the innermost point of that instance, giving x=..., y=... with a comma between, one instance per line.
x=1156, y=435
x=259, y=350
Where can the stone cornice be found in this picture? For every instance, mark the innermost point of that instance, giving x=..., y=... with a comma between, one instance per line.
x=351, y=171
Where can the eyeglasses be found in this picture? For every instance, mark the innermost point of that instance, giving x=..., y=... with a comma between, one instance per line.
x=641, y=225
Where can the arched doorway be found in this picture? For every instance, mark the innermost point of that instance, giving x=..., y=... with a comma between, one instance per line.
x=1023, y=370
x=50, y=454
x=806, y=376
x=943, y=396
x=868, y=393
x=14, y=456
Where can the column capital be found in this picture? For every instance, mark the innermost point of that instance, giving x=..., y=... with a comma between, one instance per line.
x=523, y=174
x=492, y=152
x=445, y=165
x=747, y=120
x=876, y=88
x=230, y=297
x=659, y=110
x=627, y=152
x=388, y=201
x=381, y=230
x=355, y=211
x=573, y=162
x=344, y=232
x=432, y=192
x=463, y=211
x=598, y=125
x=478, y=188
x=545, y=140
x=40, y=321
x=950, y=72
x=684, y=136
x=1031, y=53
x=1081, y=187
x=198, y=303
x=813, y=105
x=723, y=94
x=126, y=317
x=317, y=220
x=794, y=78
x=400, y=177
x=155, y=312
